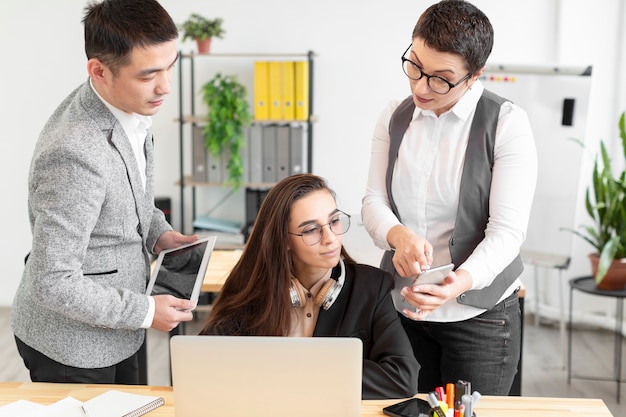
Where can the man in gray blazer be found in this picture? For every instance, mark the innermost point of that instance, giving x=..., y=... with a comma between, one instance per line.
x=80, y=312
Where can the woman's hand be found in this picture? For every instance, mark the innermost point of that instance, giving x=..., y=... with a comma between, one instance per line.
x=413, y=253
x=428, y=297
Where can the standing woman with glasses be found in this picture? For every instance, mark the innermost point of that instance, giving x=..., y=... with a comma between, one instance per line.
x=294, y=278
x=451, y=180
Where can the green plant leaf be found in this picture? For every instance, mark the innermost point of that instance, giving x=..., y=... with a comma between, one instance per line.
x=199, y=27
x=227, y=116
x=605, y=202
x=606, y=258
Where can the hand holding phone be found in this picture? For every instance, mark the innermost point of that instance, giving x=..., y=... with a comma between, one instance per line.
x=433, y=275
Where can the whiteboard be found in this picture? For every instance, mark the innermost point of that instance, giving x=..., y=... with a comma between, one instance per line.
x=556, y=100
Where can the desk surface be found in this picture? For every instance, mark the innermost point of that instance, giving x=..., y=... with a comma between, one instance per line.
x=220, y=264
x=48, y=393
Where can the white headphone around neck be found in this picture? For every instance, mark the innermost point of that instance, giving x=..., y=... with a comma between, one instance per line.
x=327, y=294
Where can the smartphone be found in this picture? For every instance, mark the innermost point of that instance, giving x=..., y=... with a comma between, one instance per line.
x=413, y=407
x=433, y=275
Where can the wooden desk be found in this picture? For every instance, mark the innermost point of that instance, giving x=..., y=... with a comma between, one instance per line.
x=220, y=264
x=48, y=393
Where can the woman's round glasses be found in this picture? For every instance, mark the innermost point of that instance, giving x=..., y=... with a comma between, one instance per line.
x=435, y=83
x=312, y=233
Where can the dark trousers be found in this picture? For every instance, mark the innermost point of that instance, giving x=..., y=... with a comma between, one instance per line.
x=44, y=369
x=483, y=350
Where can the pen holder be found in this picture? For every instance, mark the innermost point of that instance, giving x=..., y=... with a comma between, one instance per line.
x=433, y=414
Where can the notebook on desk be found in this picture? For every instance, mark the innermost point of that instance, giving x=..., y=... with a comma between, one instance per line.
x=266, y=376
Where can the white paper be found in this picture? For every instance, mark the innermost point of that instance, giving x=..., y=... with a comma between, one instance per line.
x=20, y=408
x=116, y=403
x=67, y=407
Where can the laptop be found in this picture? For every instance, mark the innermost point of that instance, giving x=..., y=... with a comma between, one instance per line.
x=266, y=376
x=180, y=271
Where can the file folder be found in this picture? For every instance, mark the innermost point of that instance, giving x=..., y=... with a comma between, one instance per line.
x=200, y=159
x=296, y=147
x=301, y=89
x=255, y=154
x=282, y=151
x=289, y=112
x=261, y=91
x=224, y=174
x=269, y=153
x=275, y=90
x=214, y=168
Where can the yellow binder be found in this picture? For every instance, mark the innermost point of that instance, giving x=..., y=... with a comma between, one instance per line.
x=261, y=91
x=301, y=89
x=288, y=91
x=275, y=90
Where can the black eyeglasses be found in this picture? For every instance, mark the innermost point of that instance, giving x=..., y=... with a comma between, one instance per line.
x=313, y=233
x=435, y=83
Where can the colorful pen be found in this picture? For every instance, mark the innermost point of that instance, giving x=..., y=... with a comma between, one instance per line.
x=440, y=393
x=434, y=405
x=450, y=395
x=475, y=397
x=466, y=402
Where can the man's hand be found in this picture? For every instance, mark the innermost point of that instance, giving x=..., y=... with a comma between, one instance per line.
x=169, y=311
x=172, y=239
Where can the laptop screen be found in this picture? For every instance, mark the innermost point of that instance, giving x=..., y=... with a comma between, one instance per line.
x=266, y=376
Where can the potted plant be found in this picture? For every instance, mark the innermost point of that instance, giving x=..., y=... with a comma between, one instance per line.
x=202, y=30
x=228, y=114
x=605, y=202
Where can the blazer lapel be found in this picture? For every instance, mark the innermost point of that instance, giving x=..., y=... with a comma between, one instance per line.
x=108, y=123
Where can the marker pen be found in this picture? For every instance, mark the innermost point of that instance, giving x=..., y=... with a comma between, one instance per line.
x=466, y=402
x=440, y=393
x=450, y=395
x=434, y=404
x=475, y=397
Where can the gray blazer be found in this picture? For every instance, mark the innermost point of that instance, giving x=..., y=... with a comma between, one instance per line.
x=81, y=299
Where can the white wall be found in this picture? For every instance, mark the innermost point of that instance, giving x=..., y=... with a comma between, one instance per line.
x=357, y=70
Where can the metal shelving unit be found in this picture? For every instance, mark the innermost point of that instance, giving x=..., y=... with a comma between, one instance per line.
x=185, y=181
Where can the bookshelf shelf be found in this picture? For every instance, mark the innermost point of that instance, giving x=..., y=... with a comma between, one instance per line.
x=187, y=115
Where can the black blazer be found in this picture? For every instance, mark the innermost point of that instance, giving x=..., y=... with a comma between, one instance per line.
x=364, y=309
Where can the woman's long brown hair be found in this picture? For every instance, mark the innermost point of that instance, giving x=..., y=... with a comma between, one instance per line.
x=254, y=300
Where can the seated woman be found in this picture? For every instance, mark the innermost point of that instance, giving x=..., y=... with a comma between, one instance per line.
x=294, y=278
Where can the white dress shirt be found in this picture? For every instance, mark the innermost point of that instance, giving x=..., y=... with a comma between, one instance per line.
x=136, y=127
x=426, y=187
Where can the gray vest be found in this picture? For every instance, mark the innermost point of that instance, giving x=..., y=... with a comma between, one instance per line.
x=473, y=210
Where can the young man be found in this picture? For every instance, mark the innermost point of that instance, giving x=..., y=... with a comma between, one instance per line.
x=80, y=311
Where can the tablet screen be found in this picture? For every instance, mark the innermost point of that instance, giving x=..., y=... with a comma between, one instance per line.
x=180, y=271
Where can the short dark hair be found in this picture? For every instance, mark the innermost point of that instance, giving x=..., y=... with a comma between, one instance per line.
x=114, y=27
x=459, y=27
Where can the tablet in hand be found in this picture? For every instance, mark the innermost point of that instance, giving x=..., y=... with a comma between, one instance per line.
x=180, y=271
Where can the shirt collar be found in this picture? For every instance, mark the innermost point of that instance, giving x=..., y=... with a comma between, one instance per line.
x=130, y=122
x=463, y=108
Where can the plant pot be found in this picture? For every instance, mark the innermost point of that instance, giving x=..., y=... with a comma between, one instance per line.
x=615, y=278
x=204, y=46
